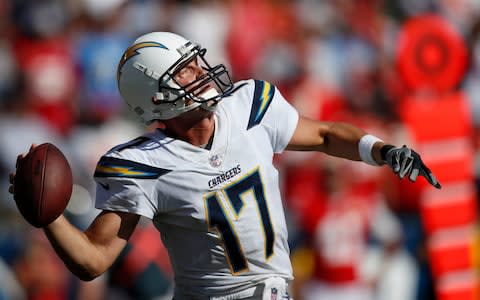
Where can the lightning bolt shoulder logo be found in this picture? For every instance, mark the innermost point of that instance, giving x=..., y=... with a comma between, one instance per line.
x=262, y=97
x=117, y=167
x=133, y=50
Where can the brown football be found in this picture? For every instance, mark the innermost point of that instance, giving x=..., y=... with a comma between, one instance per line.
x=43, y=185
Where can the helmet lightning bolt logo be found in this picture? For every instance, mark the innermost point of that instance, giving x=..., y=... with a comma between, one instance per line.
x=133, y=50
x=262, y=98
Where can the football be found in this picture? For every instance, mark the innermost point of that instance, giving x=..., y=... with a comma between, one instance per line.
x=43, y=185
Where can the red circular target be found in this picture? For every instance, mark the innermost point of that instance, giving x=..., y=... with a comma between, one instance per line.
x=431, y=54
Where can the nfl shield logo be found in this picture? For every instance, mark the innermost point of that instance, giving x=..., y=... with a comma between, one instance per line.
x=215, y=160
x=274, y=293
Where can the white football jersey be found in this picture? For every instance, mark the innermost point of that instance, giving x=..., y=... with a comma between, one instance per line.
x=219, y=211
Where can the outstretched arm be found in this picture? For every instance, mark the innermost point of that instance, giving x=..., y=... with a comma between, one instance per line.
x=350, y=142
x=333, y=138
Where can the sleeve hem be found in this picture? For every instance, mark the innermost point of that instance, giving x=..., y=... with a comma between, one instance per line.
x=123, y=209
x=293, y=122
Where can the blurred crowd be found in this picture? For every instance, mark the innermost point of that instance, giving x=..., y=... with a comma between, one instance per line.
x=355, y=230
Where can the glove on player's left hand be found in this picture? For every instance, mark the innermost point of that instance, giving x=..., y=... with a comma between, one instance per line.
x=406, y=162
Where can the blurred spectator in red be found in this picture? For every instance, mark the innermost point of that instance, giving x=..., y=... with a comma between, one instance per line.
x=265, y=40
x=43, y=52
x=250, y=30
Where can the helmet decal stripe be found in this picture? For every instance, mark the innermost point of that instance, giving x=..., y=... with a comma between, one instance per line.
x=116, y=167
x=262, y=97
x=133, y=50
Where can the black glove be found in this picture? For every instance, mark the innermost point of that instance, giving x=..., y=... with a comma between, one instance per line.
x=406, y=162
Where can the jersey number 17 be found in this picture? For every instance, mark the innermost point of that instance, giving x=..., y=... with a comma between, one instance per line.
x=219, y=220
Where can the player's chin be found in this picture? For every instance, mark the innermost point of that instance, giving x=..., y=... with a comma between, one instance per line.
x=205, y=112
x=197, y=114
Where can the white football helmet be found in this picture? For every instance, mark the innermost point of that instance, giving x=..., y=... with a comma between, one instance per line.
x=146, y=71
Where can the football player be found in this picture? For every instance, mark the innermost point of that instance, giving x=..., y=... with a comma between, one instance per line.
x=205, y=176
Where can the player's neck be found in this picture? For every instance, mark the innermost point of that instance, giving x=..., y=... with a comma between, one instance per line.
x=196, y=132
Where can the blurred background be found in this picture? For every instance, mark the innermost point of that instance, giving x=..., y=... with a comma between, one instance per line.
x=404, y=70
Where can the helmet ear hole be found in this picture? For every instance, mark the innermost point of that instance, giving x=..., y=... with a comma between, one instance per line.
x=138, y=110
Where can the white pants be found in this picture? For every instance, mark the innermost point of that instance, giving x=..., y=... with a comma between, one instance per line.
x=275, y=288
x=316, y=290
